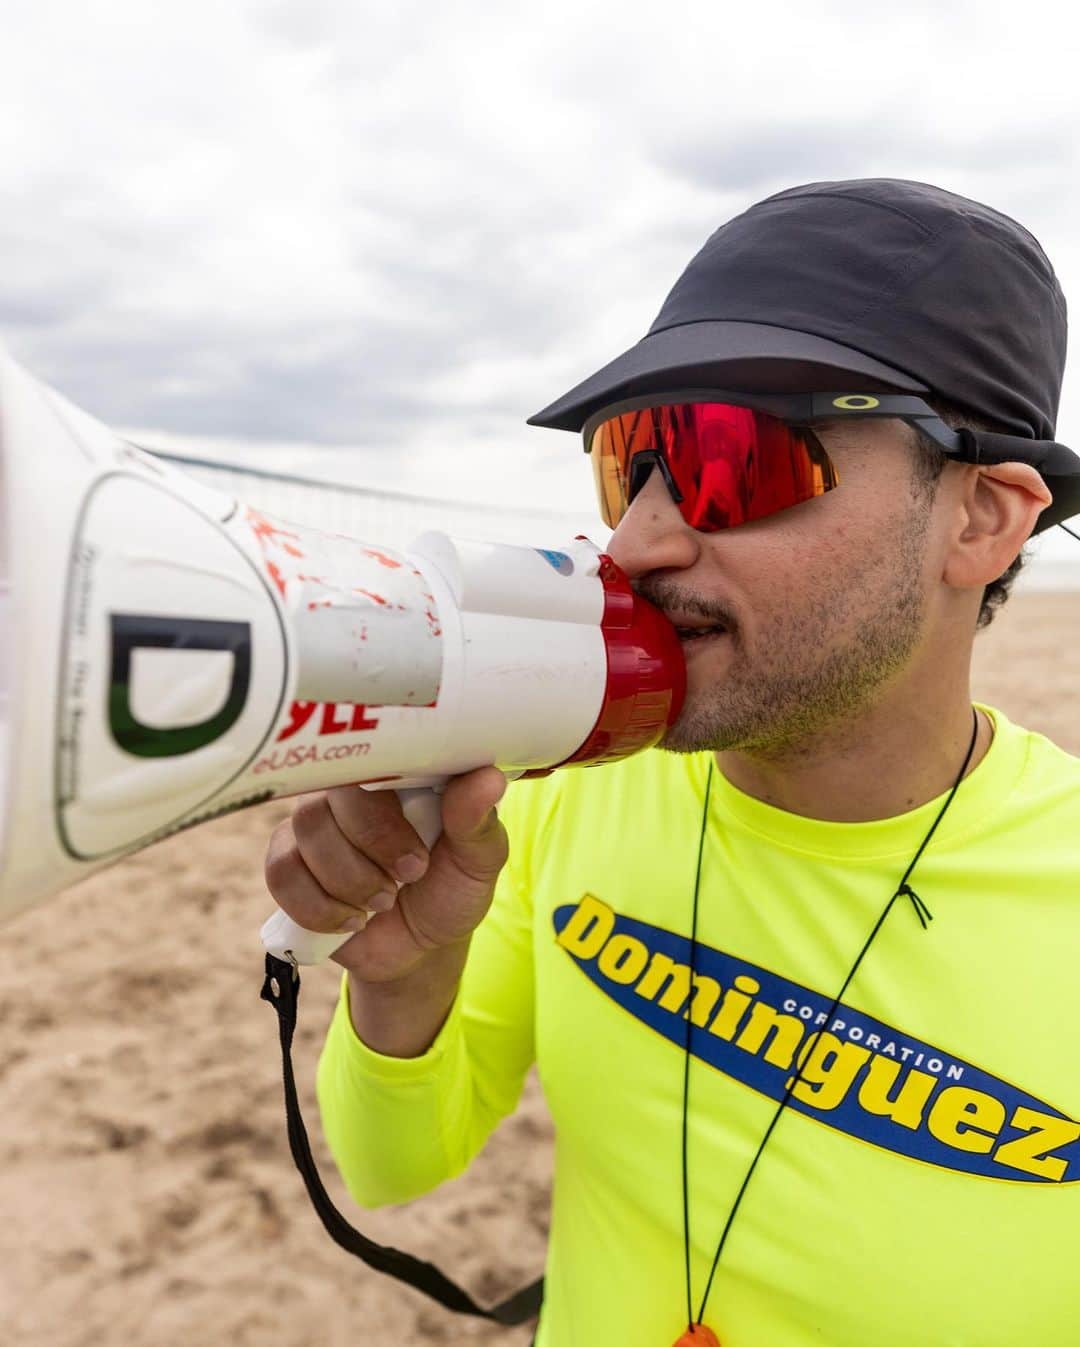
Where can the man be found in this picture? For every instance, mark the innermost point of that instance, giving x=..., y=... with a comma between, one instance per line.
x=802, y=990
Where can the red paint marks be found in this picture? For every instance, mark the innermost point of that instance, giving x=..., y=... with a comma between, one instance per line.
x=277, y=577
x=382, y=558
x=320, y=603
x=267, y=531
x=377, y=598
x=267, y=534
x=432, y=615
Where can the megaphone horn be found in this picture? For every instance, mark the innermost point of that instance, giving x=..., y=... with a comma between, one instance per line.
x=168, y=654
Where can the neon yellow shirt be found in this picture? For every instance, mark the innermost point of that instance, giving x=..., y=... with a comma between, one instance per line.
x=923, y=1185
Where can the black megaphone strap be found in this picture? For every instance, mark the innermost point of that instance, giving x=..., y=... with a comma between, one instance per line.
x=281, y=988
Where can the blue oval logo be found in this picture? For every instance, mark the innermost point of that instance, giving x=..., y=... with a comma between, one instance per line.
x=848, y=1070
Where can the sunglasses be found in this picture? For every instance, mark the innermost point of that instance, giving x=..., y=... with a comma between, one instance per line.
x=732, y=458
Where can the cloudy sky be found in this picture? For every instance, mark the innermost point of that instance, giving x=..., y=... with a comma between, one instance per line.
x=367, y=240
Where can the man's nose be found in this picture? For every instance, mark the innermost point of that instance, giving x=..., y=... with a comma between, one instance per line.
x=653, y=535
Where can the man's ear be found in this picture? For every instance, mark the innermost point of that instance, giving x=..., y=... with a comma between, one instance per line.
x=998, y=507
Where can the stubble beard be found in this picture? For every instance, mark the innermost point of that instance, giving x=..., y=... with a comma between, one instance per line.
x=818, y=661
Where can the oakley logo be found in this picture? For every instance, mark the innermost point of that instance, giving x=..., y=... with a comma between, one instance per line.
x=855, y=402
x=846, y=1070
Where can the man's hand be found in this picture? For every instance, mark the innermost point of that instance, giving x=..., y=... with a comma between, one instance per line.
x=348, y=852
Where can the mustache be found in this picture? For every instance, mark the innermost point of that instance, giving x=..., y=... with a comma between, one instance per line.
x=671, y=597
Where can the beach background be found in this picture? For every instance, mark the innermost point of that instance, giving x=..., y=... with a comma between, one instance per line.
x=146, y=1186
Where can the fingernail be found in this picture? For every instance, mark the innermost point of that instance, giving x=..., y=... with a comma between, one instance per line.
x=358, y=922
x=410, y=868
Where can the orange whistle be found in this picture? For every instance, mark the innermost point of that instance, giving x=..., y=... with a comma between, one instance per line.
x=697, y=1335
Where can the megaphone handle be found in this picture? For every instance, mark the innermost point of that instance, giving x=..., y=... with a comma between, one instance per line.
x=283, y=938
x=422, y=806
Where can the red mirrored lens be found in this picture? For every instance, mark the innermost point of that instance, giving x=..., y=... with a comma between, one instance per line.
x=731, y=465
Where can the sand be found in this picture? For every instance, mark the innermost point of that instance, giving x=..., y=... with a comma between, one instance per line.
x=147, y=1191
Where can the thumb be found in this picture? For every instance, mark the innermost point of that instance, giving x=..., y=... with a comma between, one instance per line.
x=473, y=839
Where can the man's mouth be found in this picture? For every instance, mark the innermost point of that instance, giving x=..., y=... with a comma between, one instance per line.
x=696, y=622
x=696, y=633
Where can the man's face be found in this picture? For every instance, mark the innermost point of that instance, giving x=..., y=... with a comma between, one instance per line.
x=821, y=605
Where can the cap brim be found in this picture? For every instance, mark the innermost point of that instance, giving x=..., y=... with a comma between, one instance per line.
x=750, y=357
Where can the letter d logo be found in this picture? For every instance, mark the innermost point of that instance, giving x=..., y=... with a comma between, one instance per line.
x=173, y=672
x=132, y=633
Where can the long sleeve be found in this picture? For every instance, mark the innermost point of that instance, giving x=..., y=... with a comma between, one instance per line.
x=398, y=1127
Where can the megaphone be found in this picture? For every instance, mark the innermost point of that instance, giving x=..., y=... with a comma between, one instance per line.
x=169, y=654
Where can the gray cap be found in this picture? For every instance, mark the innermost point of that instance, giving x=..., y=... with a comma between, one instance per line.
x=895, y=281
x=874, y=284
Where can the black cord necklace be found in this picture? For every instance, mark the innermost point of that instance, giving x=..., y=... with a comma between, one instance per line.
x=697, y=1334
